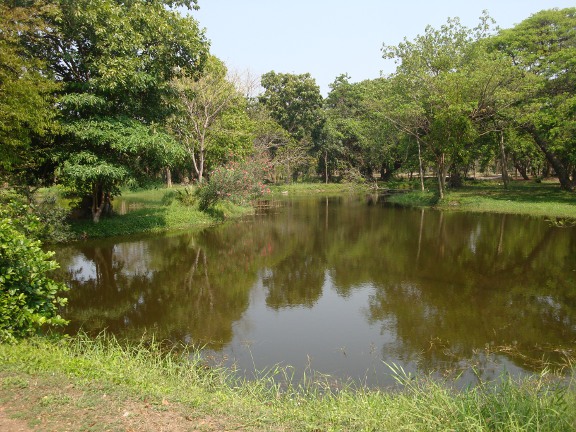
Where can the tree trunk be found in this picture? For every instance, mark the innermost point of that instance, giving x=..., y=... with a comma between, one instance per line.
x=168, y=177
x=456, y=180
x=522, y=170
x=201, y=167
x=559, y=168
x=387, y=171
x=101, y=202
x=503, y=161
x=442, y=171
x=545, y=170
x=421, y=170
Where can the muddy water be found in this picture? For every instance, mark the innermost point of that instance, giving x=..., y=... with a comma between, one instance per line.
x=341, y=286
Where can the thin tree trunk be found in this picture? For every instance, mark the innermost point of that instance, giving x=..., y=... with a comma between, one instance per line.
x=503, y=161
x=442, y=172
x=326, y=165
x=168, y=177
x=420, y=166
x=100, y=202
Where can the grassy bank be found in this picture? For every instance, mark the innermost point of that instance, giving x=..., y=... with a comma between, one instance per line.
x=83, y=384
x=156, y=210
x=299, y=189
x=159, y=210
x=529, y=198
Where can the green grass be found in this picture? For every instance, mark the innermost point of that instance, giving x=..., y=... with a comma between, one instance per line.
x=146, y=372
x=155, y=210
x=529, y=198
x=297, y=189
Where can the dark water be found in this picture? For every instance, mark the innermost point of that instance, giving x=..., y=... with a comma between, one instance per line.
x=341, y=286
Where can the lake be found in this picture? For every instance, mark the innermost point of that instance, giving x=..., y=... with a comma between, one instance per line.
x=343, y=286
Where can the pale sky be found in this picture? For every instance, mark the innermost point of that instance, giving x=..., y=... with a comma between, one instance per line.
x=330, y=37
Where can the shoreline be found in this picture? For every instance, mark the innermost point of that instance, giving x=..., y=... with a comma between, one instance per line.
x=78, y=383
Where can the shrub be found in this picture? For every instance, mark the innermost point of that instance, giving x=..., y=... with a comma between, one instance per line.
x=28, y=298
x=186, y=196
x=238, y=182
x=43, y=220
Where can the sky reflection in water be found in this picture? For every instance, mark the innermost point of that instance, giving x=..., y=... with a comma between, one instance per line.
x=340, y=286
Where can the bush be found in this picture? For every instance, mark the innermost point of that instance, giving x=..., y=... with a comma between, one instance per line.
x=186, y=196
x=28, y=298
x=43, y=220
x=236, y=182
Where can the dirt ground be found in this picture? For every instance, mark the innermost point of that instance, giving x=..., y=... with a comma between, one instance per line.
x=45, y=403
x=13, y=425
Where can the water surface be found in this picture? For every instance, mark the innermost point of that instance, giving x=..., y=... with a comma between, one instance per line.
x=341, y=286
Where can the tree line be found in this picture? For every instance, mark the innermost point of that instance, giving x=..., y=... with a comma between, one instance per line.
x=99, y=94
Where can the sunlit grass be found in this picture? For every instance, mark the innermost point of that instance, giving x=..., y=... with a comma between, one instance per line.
x=153, y=211
x=295, y=189
x=149, y=371
x=529, y=198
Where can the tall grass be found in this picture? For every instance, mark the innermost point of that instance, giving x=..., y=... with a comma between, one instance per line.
x=274, y=402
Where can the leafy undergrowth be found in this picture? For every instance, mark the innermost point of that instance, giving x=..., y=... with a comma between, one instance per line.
x=85, y=384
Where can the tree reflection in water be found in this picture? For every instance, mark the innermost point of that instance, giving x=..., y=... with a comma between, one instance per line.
x=432, y=290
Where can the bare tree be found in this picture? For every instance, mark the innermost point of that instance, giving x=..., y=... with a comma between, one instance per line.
x=201, y=102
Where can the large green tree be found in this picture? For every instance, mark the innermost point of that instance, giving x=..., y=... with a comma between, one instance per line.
x=543, y=47
x=114, y=60
x=447, y=86
x=26, y=90
x=295, y=102
x=339, y=145
x=357, y=121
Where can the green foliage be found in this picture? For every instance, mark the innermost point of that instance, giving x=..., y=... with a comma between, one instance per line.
x=294, y=101
x=27, y=90
x=445, y=92
x=114, y=61
x=42, y=220
x=238, y=182
x=28, y=298
x=186, y=196
x=210, y=120
x=543, y=47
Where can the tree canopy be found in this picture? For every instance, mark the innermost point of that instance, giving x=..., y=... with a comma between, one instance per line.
x=98, y=94
x=113, y=61
x=26, y=103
